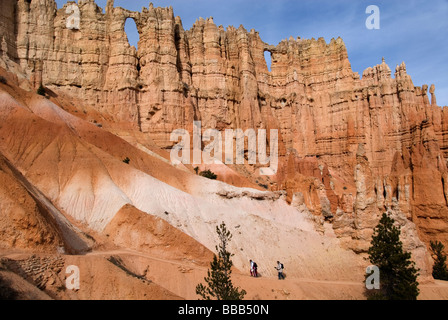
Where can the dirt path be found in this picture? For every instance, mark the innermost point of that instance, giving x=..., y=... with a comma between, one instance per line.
x=182, y=276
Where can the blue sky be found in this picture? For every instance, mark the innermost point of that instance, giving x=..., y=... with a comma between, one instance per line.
x=413, y=31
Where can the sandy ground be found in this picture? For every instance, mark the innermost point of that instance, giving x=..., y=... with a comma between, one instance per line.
x=126, y=274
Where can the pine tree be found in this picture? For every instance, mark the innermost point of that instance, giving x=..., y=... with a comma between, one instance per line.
x=439, y=270
x=398, y=275
x=219, y=285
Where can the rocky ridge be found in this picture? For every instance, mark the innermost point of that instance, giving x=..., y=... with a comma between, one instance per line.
x=350, y=147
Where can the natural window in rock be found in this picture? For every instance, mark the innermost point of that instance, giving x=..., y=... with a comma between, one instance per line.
x=131, y=32
x=268, y=58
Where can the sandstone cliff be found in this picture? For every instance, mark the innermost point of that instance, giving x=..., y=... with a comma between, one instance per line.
x=350, y=147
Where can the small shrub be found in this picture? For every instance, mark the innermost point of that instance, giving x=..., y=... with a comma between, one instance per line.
x=3, y=80
x=265, y=186
x=41, y=90
x=126, y=160
x=208, y=174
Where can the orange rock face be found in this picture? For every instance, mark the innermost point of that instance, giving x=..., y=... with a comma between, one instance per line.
x=350, y=147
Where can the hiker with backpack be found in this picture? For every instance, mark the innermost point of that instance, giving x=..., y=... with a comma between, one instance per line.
x=253, y=269
x=280, y=268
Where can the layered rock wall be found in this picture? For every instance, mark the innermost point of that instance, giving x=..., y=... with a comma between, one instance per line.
x=323, y=110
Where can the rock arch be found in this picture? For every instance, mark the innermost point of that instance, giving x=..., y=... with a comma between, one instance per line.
x=131, y=30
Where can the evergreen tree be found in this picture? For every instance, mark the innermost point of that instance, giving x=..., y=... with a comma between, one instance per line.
x=439, y=270
x=219, y=285
x=398, y=275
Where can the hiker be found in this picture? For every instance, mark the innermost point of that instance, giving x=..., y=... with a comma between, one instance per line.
x=279, y=268
x=253, y=269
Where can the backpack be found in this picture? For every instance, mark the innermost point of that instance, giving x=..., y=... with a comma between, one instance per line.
x=282, y=266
